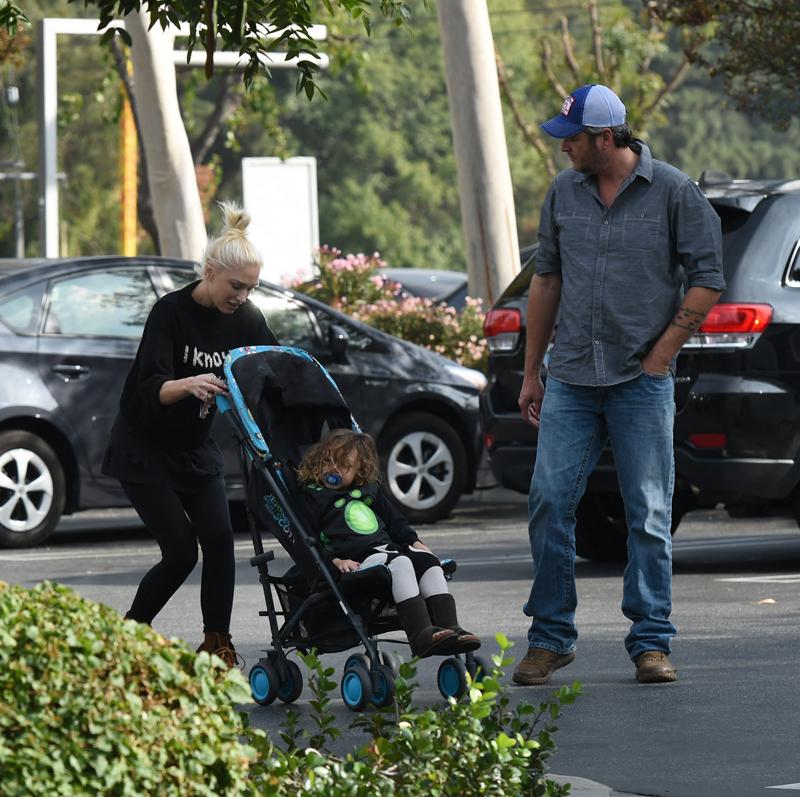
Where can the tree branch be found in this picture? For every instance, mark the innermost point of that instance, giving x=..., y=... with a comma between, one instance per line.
x=668, y=88
x=569, y=53
x=226, y=102
x=528, y=132
x=597, y=38
x=547, y=55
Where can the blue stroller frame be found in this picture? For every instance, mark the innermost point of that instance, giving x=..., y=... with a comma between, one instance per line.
x=281, y=401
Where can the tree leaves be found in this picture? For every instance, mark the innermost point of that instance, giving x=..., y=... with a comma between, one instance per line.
x=753, y=44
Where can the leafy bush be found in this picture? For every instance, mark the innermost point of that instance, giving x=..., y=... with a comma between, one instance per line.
x=91, y=704
x=478, y=746
x=354, y=285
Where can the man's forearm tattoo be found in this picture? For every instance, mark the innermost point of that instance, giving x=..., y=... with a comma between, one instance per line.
x=686, y=318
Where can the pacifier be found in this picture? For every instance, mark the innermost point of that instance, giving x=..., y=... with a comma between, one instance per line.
x=332, y=479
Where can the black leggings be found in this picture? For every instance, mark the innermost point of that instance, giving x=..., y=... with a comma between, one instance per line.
x=178, y=521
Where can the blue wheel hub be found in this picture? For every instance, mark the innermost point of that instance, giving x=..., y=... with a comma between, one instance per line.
x=259, y=683
x=352, y=689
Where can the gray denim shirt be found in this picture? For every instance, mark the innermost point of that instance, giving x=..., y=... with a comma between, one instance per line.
x=624, y=269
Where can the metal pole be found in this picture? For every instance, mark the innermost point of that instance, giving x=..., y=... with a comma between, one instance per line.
x=48, y=158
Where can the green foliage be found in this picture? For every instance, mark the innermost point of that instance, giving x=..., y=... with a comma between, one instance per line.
x=12, y=18
x=354, y=285
x=480, y=745
x=753, y=44
x=91, y=704
x=244, y=27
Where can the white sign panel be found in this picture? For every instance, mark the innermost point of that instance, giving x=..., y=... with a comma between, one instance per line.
x=281, y=198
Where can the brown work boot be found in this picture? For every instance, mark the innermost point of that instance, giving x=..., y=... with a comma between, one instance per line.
x=654, y=667
x=539, y=665
x=218, y=643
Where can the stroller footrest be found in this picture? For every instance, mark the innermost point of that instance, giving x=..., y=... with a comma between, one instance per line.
x=262, y=558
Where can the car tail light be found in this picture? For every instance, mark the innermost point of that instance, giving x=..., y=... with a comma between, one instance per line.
x=731, y=326
x=501, y=328
x=708, y=439
x=488, y=441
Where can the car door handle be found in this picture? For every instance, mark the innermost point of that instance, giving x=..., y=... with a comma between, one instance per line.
x=71, y=370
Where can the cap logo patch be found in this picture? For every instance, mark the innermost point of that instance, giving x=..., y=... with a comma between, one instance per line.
x=567, y=105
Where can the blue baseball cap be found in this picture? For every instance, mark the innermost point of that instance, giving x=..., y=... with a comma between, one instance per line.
x=589, y=106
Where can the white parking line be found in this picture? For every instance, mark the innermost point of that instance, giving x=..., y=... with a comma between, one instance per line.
x=795, y=786
x=789, y=578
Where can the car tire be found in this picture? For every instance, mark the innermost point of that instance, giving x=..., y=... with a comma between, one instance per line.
x=32, y=489
x=424, y=466
x=601, y=531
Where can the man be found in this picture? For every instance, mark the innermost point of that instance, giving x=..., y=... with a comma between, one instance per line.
x=621, y=236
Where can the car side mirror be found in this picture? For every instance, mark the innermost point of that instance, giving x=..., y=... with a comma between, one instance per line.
x=338, y=341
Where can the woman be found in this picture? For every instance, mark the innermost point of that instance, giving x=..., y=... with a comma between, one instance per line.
x=160, y=449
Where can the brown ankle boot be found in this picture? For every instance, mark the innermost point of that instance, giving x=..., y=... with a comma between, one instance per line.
x=218, y=643
x=425, y=639
x=442, y=610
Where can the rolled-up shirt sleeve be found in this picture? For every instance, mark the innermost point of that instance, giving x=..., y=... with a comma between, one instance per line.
x=697, y=238
x=548, y=257
x=155, y=354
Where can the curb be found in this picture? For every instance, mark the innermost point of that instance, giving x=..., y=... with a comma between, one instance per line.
x=582, y=787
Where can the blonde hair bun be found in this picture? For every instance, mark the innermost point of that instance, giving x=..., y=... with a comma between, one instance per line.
x=232, y=248
x=235, y=217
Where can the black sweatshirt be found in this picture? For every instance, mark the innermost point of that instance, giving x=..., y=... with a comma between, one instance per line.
x=352, y=522
x=153, y=443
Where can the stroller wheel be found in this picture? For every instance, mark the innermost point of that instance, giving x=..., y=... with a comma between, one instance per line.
x=382, y=686
x=264, y=683
x=356, y=688
x=356, y=660
x=478, y=668
x=452, y=678
x=290, y=689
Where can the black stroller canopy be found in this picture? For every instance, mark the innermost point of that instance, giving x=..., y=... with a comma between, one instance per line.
x=291, y=397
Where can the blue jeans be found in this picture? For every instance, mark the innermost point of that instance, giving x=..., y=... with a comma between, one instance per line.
x=637, y=417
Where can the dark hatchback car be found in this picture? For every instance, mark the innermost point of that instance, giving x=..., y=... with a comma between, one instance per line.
x=69, y=330
x=737, y=425
x=438, y=285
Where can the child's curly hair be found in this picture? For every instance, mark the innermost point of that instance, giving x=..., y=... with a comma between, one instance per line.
x=333, y=453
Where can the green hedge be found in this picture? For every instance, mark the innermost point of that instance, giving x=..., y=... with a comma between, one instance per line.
x=93, y=705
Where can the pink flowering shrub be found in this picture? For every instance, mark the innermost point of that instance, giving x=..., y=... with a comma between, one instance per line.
x=353, y=285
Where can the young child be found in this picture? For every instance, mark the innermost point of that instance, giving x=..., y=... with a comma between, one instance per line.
x=359, y=527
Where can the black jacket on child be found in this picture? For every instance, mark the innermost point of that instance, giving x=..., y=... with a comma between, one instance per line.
x=352, y=522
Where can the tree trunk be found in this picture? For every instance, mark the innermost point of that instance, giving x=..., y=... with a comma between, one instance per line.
x=170, y=168
x=484, y=176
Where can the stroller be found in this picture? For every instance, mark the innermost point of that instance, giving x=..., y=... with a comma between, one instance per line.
x=282, y=401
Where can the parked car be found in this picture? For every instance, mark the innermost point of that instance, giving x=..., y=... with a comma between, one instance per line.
x=436, y=284
x=737, y=425
x=69, y=330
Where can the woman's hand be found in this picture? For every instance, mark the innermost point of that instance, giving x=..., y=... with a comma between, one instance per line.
x=205, y=387
x=345, y=565
x=420, y=546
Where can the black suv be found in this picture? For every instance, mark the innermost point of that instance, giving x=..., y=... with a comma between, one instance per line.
x=737, y=391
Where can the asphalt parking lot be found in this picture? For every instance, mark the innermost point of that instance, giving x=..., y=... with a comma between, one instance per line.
x=728, y=727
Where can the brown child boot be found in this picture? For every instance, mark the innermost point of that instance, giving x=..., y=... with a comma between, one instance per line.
x=442, y=609
x=218, y=643
x=425, y=639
